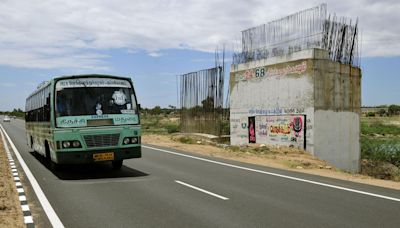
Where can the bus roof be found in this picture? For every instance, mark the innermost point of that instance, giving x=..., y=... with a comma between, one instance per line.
x=39, y=88
x=46, y=83
x=90, y=76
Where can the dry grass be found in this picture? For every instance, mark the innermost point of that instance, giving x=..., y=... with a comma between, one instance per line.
x=10, y=209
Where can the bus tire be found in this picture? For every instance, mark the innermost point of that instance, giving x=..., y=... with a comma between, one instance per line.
x=117, y=164
x=53, y=166
x=32, y=142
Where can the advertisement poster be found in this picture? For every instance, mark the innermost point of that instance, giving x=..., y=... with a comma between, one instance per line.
x=252, y=130
x=288, y=130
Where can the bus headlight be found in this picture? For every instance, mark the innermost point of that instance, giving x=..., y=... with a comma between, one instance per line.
x=76, y=144
x=66, y=144
x=127, y=141
x=130, y=140
x=71, y=144
x=134, y=140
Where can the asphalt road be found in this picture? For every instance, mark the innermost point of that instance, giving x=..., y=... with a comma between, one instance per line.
x=159, y=190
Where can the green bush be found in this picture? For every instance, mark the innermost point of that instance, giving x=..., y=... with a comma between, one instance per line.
x=172, y=128
x=186, y=140
x=383, y=150
x=225, y=128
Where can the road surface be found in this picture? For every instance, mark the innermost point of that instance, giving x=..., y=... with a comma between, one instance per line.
x=164, y=189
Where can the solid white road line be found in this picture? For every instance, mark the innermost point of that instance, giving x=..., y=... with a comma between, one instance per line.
x=48, y=209
x=201, y=190
x=277, y=175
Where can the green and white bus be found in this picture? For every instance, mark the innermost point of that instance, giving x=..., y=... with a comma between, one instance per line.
x=84, y=119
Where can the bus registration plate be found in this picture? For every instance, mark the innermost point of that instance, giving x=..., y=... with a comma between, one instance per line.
x=103, y=156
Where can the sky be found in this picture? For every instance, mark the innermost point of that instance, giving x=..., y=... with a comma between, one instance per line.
x=153, y=41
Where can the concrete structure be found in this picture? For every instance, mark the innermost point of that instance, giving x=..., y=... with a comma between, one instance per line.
x=304, y=100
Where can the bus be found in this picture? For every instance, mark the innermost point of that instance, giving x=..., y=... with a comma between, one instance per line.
x=84, y=119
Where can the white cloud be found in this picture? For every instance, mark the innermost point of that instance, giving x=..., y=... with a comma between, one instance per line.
x=155, y=54
x=71, y=34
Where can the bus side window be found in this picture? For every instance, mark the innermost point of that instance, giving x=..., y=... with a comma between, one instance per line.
x=47, y=109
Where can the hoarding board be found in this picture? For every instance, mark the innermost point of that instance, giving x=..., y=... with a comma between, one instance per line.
x=287, y=130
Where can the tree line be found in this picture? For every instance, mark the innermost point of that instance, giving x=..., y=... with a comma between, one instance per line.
x=15, y=112
x=157, y=110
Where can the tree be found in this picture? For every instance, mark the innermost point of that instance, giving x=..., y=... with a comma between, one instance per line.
x=17, y=112
x=382, y=106
x=394, y=110
x=156, y=110
x=382, y=112
x=208, y=103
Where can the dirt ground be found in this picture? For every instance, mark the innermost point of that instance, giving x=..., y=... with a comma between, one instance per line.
x=10, y=209
x=276, y=157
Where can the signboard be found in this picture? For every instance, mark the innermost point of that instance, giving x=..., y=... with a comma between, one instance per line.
x=82, y=121
x=287, y=130
x=92, y=82
x=266, y=71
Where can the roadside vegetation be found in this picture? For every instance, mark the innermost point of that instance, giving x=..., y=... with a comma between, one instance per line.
x=160, y=121
x=16, y=112
x=380, y=147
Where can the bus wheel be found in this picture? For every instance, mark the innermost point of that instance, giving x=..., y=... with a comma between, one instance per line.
x=117, y=164
x=31, y=142
x=53, y=166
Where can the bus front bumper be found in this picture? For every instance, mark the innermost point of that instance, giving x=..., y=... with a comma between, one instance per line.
x=84, y=157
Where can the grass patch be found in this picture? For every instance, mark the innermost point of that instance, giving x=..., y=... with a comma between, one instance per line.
x=186, y=140
x=158, y=124
x=262, y=149
x=381, y=150
x=380, y=169
x=378, y=127
x=234, y=148
x=291, y=164
x=172, y=128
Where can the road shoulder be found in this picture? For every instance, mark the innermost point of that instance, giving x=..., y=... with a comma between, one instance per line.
x=10, y=209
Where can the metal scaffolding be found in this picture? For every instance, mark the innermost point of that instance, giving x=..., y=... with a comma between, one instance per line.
x=310, y=28
x=201, y=100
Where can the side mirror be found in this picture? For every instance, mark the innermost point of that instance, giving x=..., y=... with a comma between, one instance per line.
x=139, y=108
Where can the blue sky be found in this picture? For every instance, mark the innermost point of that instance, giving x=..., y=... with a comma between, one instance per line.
x=154, y=77
x=153, y=41
x=380, y=81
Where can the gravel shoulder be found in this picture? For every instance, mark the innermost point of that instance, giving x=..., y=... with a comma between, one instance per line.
x=10, y=209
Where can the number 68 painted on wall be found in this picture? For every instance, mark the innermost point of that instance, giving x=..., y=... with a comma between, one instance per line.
x=260, y=72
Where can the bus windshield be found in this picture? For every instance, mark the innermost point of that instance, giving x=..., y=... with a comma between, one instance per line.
x=86, y=98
